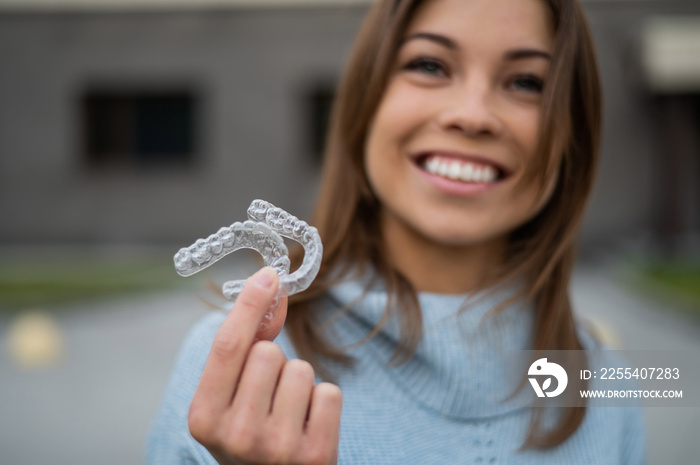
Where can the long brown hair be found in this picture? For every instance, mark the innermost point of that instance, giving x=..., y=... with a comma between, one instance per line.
x=541, y=251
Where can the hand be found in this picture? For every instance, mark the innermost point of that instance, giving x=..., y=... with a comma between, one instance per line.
x=252, y=405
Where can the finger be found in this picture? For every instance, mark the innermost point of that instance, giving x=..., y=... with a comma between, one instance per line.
x=323, y=428
x=291, y=403
x=233, y=341
x=258, y=380
x=274, y=326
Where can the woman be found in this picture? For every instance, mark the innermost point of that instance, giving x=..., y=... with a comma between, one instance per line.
x=461, y=155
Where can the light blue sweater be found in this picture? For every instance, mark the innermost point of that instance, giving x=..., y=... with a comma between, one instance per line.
x=440, y=407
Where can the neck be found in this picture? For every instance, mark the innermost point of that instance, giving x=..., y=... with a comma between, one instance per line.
x=441, y=268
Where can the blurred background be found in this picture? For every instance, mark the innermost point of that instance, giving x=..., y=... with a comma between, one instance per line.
x=130, y=128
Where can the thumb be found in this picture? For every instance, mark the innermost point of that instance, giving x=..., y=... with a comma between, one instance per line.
x=258, y=300
x=273, y=320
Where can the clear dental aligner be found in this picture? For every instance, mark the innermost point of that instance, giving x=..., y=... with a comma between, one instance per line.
x=262, y=232
x=293, y=228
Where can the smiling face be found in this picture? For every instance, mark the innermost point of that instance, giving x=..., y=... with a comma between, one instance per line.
x=457, y=127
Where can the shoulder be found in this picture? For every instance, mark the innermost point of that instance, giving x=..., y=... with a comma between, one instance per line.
x=169, y=440
x=627, y=421
x=194, y=351
x=591, y=335
x=197, y=343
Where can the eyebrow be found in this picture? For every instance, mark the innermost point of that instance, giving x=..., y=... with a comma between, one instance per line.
x=440, y=39
x=517, y=54
x=522, y=53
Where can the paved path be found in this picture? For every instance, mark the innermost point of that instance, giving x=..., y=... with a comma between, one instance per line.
x=639, y=323
x=95, y=405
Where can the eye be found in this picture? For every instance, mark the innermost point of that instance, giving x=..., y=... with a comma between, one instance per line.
x=528, y=83
x=428, y=66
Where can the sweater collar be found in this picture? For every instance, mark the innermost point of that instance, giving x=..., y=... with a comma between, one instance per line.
x=459, y=368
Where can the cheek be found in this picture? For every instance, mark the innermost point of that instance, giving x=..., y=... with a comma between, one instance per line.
x=543, y=200
x=391, y=126
x=525, y=129
x=531, y=200
x=398, y=115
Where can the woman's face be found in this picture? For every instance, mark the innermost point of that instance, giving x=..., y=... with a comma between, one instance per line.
x=457, y=126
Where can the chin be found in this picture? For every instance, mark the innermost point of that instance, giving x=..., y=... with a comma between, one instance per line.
x=452, y=236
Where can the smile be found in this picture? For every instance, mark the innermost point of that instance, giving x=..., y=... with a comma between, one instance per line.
x=460, y=170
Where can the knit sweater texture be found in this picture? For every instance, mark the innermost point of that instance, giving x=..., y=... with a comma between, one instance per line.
x=442, y=406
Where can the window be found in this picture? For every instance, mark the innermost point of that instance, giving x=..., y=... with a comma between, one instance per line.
x=676, y=120
x=138, y=128
x=320, y=101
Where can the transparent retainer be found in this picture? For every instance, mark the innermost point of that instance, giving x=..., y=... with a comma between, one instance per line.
x=263, y=232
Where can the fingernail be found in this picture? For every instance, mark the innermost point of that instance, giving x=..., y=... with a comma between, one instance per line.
x=265, y=277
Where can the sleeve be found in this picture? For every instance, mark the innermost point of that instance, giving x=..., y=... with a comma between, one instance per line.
x=634, y=445
x=169, y=440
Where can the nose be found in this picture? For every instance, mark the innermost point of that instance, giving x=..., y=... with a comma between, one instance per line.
x=469, y=108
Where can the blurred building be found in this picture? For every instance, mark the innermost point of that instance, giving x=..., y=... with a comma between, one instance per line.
x=649, y=178
x=154, y=121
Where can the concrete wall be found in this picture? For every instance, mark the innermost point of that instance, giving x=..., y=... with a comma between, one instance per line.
x=251, y=69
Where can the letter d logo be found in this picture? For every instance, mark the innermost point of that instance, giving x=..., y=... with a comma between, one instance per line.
x=543, y=367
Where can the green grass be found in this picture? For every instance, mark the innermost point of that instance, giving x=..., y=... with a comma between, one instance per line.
x=52, y=282
x=674, y=281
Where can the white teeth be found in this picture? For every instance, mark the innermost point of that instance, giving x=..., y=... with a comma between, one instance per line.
x=457, y=170
x=432, y=165
x=488, y=174
x=467, y=171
